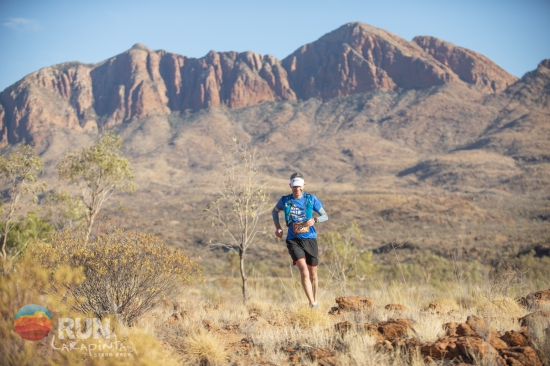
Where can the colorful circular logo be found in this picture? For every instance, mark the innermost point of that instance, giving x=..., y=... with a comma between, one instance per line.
x=33, y=322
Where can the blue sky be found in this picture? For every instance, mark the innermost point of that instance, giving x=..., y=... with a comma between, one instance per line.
x=40, y=33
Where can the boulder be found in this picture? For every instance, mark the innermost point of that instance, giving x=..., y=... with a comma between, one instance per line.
x=537, y=299
x=324, y=357
x=343, y=327
x=465, y=349
x=450, y=329
x=188, y=314
x=395, y=329
x=464, y=330
x=478, y=325
x=497, y=343
x=429, y=361
x=395, y=307
x=391, y=330
x=525, y=356
x=537, y=316
x=442, y=348
x=516, y=339
x=354, y=303
x=175, y=318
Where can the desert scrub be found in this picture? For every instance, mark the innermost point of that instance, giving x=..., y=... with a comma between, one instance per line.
x=432, y=269
x=343, y=258
x=306, y=317
x=204, y=348
x=126, y=273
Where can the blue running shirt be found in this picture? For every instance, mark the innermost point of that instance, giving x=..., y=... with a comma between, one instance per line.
x=298, y=214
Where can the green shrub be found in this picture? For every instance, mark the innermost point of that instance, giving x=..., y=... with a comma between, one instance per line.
x=533, y=268
x=27, y=231
x=429, y=268
x=126, y=273
x=344, y=259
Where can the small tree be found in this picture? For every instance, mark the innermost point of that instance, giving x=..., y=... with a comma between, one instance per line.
x=63, y=210
x=240, y=200
x=344, y=259
x=20, y=173
x=98, y=171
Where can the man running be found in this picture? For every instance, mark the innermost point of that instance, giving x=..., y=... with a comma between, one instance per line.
x=301, y=237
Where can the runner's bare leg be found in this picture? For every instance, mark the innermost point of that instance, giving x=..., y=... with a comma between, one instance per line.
x=305, y=277
x=314, y=281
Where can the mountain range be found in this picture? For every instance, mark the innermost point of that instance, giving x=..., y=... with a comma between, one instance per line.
x=359, y=109
x=353, y=59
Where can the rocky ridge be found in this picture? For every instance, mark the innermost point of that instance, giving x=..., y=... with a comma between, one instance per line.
x=470, y=66
x=140, y=82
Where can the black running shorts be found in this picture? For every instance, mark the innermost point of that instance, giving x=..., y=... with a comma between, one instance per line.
x=303, y=248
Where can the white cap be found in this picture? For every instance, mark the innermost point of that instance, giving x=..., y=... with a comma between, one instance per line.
x=297, y=182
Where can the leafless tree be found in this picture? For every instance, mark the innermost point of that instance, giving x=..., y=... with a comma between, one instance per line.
x=240, y=200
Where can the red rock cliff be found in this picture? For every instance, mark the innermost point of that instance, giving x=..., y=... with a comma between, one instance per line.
x=136, y=84
x=357, y=58
x=140, y=82
x=470, y=66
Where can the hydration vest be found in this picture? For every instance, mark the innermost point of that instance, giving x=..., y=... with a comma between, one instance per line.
x=287, y=201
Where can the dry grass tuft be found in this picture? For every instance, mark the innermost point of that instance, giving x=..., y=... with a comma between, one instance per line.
x=204, y=348
x=503, y=323
x=501, y=306
x=446, y=304
x=306, y=317
x=150, y=350
x=259, y=306
x=428, y=326
x=365, y=356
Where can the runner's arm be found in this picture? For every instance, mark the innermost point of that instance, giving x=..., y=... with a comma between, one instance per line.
x=322, y=215
x=275, y=214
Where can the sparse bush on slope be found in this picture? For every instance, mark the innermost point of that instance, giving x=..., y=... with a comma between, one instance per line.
x=127, y=273
x=343, y=258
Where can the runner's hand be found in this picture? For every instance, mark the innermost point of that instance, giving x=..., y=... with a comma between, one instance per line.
x=279, y=233
x=310, y=222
